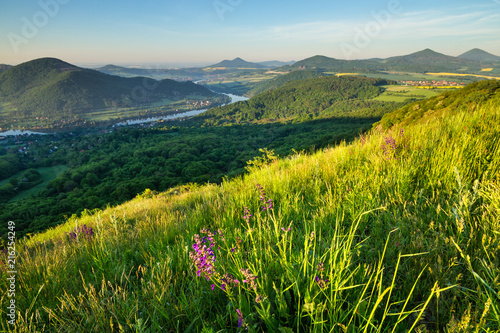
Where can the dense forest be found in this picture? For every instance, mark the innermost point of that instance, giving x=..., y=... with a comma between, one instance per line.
x=304, y=100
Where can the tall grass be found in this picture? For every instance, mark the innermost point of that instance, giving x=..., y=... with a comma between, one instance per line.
x=397, y=232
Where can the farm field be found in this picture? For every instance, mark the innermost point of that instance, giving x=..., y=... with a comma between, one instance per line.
x=398, y=93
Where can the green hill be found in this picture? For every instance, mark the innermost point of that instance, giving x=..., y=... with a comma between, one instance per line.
x=480, y=55
x=430, y=61
x=282, y=79
x=396, y=232
x=57, y=90
x=302, y=100
x=462, y=100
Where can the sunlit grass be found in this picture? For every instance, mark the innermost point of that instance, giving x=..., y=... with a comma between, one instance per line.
x=396, y=232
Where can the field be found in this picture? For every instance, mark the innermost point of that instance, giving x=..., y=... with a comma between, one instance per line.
x=467, y=75
x=398, y=93
x=47, y=173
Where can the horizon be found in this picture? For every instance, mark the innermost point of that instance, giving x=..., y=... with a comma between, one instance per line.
x=196, y=33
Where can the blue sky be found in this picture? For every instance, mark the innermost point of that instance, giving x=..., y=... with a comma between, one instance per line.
x=94, y=32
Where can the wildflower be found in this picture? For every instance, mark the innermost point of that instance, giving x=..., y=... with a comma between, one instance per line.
x=249, y=278
x=203, y=256
x=240, y=318
x=246, y=214
x=322, y=282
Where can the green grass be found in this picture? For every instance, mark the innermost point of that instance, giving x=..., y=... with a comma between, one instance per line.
x=398, y=93
x=397, y=232
x=47, y=173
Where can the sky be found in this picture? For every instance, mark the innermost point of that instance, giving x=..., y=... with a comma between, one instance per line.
x=202, y=32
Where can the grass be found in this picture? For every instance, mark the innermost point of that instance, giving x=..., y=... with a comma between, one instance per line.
x=47, y=173
x=398, y=93
x=397, y=232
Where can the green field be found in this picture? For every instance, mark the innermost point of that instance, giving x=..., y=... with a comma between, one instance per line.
x=398, y=93
x=48, y=174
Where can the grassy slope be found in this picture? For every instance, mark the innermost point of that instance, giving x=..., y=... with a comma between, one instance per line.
x=398, y=215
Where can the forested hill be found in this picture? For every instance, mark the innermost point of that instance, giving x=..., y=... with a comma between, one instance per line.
x=462, y=100
x=305, y=100
x=52, y=88
x=283, y=79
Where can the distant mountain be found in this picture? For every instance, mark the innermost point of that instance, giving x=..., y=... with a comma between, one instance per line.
x=428, y=61
x=275, y=63
x=323, y=63
x=479, y=55
x=52, y=88
x=419, y=62
x=237, y=63
x=3, y=67
x=156, y=73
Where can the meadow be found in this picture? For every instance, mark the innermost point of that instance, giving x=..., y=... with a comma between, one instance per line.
x=396, y=232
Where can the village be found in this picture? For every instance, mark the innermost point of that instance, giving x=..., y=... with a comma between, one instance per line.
x=431, y=84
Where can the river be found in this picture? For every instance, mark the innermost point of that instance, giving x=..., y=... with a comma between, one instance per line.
x=234, y=99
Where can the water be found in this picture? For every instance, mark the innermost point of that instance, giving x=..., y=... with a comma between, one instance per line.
x=234, y=99
x=20, y=132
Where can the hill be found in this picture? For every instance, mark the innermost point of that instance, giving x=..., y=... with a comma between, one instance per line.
x=419, y=62
x=3, y=68
x=51, y=88
x=155, y=73
x=397, y=231
x=427, y=61
x=307, y=99
x=275, y=63
x=480, y=55
x=236, y=63
x=322, y=63
x=282, y=79
x=462, y=100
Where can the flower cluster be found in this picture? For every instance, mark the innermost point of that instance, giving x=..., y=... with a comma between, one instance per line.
x=228, y=281
x=203, y=256
x=322, y=282
x=268, y=203
x=82, y=231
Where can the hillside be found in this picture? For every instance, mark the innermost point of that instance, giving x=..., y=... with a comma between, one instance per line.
x=302, y=100
x=3, y=68
x=236, y=63
x=397, y=231
x=57, y=90
x=480, y=55
x=282, y=79
x=463, y=100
